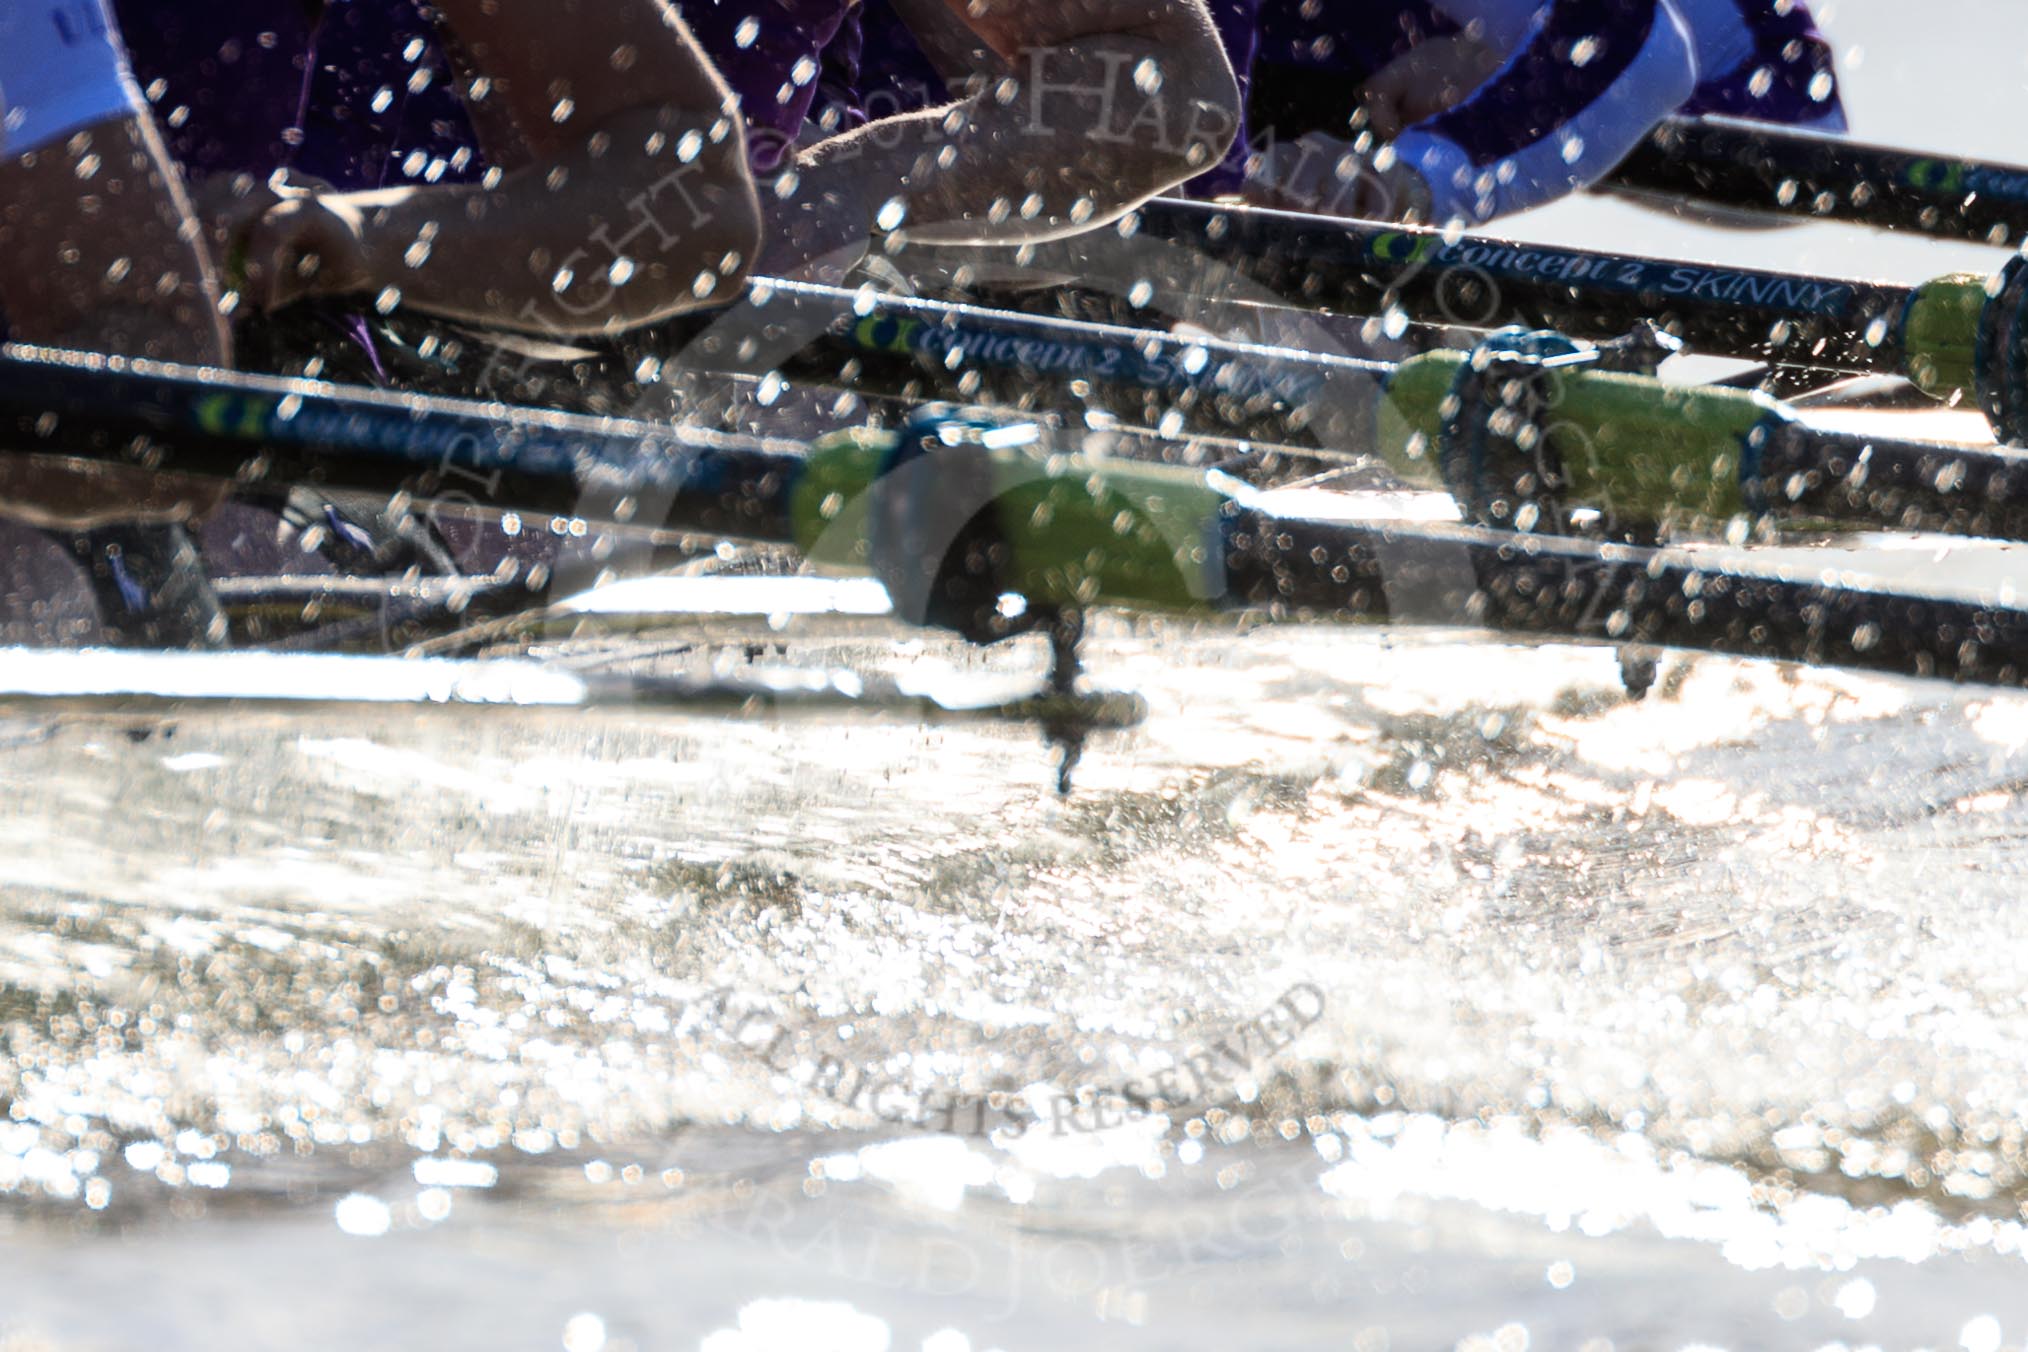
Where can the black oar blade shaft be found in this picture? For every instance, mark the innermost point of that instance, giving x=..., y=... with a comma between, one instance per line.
x=1829, y=323
x=1549, y=587
x=916, y=349
x=257, y=430
x=1909, y=485
x=1276, y=558
x=1751, y=166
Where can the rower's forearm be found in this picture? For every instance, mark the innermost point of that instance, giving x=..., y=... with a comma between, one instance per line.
x=647, y=218
x=1082, y=134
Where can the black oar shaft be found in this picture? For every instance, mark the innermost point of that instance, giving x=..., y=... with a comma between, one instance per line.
x=1272, y=555
x=1559, y=587
x=1475, y=282
x=259, y=430
x=915, y=349
x=1897, y=484
x=1754, y=167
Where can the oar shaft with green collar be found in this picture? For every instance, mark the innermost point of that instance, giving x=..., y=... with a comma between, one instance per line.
x=1930, y=333
x=1069, y=533
x=1641, y=449
x=1705, y=456
x=970, y=506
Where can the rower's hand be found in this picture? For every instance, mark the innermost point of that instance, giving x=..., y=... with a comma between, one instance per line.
x=1319, y=174
x=286, y=238
x=1433, y=77
x=282, y=238
x=313, y=244
x=225, y=203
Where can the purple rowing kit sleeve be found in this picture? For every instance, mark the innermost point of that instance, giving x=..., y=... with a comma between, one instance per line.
x=360, y=93
x=772, y=53
x=1765, y=60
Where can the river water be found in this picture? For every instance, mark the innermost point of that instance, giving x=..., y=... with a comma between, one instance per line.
x=1383, y=989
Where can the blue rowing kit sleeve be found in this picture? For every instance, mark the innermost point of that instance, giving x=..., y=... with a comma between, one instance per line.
x=61, y=70
x=1588, y=82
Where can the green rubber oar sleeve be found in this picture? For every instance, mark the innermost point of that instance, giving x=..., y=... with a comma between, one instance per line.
x=1629, y=444
x=1077, y=532
x=1940, y=333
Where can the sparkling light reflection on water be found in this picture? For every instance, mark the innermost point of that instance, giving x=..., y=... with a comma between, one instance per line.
x=1609, y=987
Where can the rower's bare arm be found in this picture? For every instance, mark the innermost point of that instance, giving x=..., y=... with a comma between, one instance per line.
x=627, y=198
x=1097, y=105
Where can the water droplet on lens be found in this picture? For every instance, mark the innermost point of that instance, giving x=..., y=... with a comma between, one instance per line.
x=367, y=1217
x=584, y=1333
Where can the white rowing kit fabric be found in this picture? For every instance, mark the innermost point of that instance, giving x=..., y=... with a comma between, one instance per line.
x=61, y=70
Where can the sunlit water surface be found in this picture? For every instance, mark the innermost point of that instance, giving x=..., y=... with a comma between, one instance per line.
x=1693, y=1016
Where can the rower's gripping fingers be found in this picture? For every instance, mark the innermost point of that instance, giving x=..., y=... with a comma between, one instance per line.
x=305, y=245
x=1631, y=445
x=227, y=205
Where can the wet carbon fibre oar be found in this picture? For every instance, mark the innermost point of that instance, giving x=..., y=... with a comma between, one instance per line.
x=1644, y=451
x=1957, y=335
x=1752, y=166
x=956, y=514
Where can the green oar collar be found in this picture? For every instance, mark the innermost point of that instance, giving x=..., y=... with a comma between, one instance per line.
x=960, y=514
